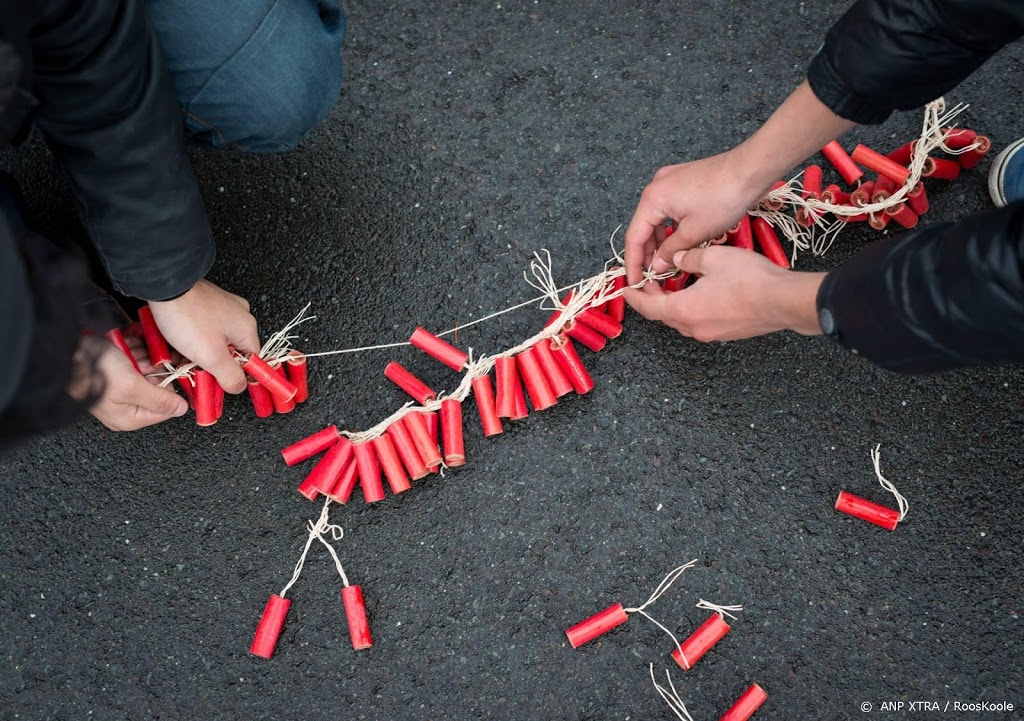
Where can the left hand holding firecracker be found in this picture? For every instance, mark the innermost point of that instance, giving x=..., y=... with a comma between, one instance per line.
x=738, y=294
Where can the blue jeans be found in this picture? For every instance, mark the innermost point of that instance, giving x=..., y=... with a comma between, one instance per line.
x=252, y=75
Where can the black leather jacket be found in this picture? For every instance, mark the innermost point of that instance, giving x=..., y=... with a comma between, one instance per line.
x=944, y=295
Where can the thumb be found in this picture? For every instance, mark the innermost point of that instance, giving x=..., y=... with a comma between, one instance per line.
x=663, y=258
x=690, y=261
x=161, y=401
x=651, y=306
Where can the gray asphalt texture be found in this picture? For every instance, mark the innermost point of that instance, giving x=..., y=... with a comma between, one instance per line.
x=135, y=567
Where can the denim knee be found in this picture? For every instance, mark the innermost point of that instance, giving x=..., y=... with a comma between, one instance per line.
x=278, y=86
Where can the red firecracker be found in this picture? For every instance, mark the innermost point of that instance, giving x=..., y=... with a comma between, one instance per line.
x=769, y=243
x=206, y=397
x=507, y=378
x=407, y=450
x=389, y=461
x=867, y=510
x=296, y=369
x=188, y=389
x=600, y=623
x=917, y=199
x=342, y=491
x=519, y=403
x=156, y=346
x=269, y=628
x=310, y=445
x=700, y=641
x=275, y=382
x=601, y=322
x=941, y=169
x=958, y=138
x=420, y=434
x=746, y=704
x=903, y=154
x=439, y=349
x=882, y=165
x=451, y=433
x=369, y=472
x=262, y=402
x=773, y=204
x=972, y=157
x=902, y=214
x=842, y=162
x=115, y=336
x=325, y=474
x=616, y=307
x=483, y=392
x=742, y=236
x=542, y=396
x=417, y=389
x=586, y=335
x=282, y=404
x=355, y=613
x=835, y=195
x=567, y=357
x=557, y=379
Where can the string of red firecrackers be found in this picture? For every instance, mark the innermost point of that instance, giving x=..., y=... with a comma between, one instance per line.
x=870, y=511
x=896, y=192
x=686, y=654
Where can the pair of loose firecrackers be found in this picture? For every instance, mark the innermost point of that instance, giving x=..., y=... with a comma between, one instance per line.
x=872, y=512
x=272, y=621
x=686, y=654
x=743, y=709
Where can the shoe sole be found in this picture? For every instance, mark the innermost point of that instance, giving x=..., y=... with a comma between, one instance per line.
x=997, y=172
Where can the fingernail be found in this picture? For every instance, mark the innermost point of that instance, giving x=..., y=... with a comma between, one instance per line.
x=660, y=265
x=181, y=409
x=678, y=257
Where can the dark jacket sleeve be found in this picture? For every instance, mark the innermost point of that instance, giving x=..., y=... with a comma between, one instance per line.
x=108, y=112
x=944, y=296
x=886, y=55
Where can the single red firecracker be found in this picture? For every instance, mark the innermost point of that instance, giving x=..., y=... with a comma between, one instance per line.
x=310, y=445
x=903, y=154
x=773, y=204
x=520, y=404
x=769, y=243
x=862, y=195
x=369, y=472
x=282, y=404
x=972, y=157
x=616, y=307
x=483, y=392
x=326, y=473
x=296, y=368
x=676, y=282
x=439, y=349
x=391, y=464
x=262, y=402
x=812, y=182
x=156, y=346
x=917, y=199
x=188, y=389
x=958, y=138
x=565, y=353
x=842, y=162
x=308, y=488
x=407, y=450
x=902, y=214
x=882, y=165
x=599, y=623
x=557, y=379
x=355, y=613
x=883, y=185
x=879, y=220
x=269, y=628
x=601, y=322
x=746, y=704
x=451, y=433
x=586, y=335
x=115, y=336
x=270, y=378
x=700, y=641
x=342, y=491
x=835, y=195
x=420, y=434
x=941, y=169
x=867, y=510
x=417, y=389
x=206, y=398
x=742, y=235
x=542, y=396
x=507, y=378
x=218, y=400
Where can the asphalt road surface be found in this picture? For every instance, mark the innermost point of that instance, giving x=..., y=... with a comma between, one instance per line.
x=135, y=567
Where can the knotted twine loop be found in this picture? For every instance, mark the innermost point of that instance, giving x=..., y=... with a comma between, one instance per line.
x=671, y=696
x=662, y=587
x=317, y=531
x=935, y=127
x=876, y=459
x=722, y=611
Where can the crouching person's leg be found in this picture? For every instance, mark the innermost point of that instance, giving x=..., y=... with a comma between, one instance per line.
x=252, y=75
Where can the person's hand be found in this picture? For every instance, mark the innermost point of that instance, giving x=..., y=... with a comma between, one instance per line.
x=129, y=401
x=738, y=294
x=703, y=199
x=202, y=324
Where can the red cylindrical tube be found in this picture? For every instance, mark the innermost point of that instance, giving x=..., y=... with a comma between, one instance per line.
x=520, y=404
x=957, y=138
x=507, y=379
x=902, y=214
x=329, y=469
x=773, y=204
x=310, y=445
x=835, y=195
x=812, y=182
x=309, y=487
x=867, y=510
x=355, y=613
x=805, y=217
x=700, y=641
x=296, y=368
x=601, y=322
x=879, y=196
x=842, y=162
x=439, y=349
x=420, y=434
x=917, y=199
x=430, y=418
x=369, y=472
x=941, y=168
x=742, y=236
x=616, y=307
x=883, y=185
x=262, y=402
x=882, y=165
x=188, y=390
x=971, y=158
x=417, y=389
x=862, y=195
x=115, y=336
x=269, y=628
x=567, y=357
x=156, y=346
x=557, y=379
x=282, y=404
x=903, y=154
x=218, y=400
x=676, y=282
x=556, y=315
x=483, y=392
x=878, y=221
x=769, y=243
x=586, y=335
x=206, y=398
x=746, y=704
x=859, y=217
x=389, y=461
x=451, y=433
x=346, y=484
x=542, y=395
x=269, y=377
x=407, y=450
x=599, y=623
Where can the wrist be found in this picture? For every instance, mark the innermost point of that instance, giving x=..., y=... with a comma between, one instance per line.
x=792, y=302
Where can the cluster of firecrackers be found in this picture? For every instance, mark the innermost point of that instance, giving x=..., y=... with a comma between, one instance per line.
x=685, y=654
x=421, y=439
